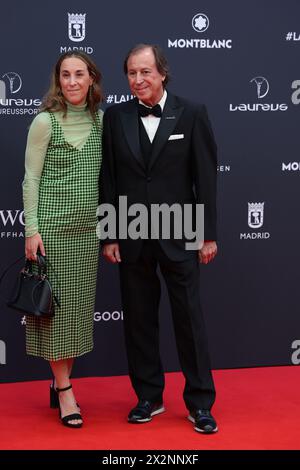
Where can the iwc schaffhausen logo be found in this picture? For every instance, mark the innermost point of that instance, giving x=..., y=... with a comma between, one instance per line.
x=11, y=223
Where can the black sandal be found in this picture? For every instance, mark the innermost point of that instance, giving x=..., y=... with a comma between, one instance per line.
x=66, y=419
x=54, y=401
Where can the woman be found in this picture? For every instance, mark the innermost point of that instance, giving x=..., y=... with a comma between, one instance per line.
x=60, y=192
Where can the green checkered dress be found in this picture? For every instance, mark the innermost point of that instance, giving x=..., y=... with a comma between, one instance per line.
x=68, y=199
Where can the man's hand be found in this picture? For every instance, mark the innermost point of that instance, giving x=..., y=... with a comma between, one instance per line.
x=111, y=253
x=207, y=252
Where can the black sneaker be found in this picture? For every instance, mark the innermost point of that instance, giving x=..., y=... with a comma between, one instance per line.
x=204, y=421
x=144, y=411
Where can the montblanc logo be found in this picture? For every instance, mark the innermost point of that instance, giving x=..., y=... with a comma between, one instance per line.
x=255, y=221
x=12, y=222
x=10, y=85
x=200, y=24
x=261, y=87
x=2, y=352
x=76, y=33
x=291, y=166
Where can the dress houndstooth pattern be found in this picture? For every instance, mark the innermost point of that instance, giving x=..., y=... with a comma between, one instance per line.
x=68, y=199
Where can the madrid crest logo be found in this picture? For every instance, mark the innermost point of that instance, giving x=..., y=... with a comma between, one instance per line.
x=76, y=26
x=255, y=214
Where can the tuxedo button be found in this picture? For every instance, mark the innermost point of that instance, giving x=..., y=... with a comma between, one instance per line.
x=149, y=179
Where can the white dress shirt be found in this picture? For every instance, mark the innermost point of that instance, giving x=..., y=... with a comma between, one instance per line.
x=151, y=122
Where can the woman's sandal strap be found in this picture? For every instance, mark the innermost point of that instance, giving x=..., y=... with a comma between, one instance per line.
x=64, y=389
x=72, y=416
x=66, y=419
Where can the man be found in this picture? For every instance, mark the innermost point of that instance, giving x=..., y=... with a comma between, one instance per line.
x=159, y=148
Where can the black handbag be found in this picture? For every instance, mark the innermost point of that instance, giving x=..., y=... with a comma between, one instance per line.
x=32, y=292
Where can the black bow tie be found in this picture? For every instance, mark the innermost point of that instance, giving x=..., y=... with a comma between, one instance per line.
x=145, y=111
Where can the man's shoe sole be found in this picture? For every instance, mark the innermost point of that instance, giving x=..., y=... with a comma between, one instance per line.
x=190, y=418
x=146, y=420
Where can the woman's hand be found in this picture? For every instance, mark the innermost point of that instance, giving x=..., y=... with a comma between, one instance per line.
x=32, y=245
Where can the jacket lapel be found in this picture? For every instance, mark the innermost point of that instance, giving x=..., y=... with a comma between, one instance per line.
x=130, y=123
x=171, y=114
x=129, y=117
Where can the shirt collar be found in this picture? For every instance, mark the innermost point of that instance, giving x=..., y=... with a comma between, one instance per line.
x=161, y=103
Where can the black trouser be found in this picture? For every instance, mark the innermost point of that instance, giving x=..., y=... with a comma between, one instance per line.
x=140, y=288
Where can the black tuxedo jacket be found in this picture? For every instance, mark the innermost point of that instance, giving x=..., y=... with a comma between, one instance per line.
x=181, y=170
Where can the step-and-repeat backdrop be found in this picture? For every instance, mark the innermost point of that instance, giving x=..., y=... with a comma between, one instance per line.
x=242, y=60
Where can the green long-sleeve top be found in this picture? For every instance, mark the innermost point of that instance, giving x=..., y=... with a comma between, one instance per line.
x=76, y=127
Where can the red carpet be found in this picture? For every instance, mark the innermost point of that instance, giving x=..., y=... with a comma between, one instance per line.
x=255, y=409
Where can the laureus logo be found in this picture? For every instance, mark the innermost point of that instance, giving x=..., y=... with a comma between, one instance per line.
x=262, y=86
x=200, y=22
x=10, y=85
x=12, y=82
x=76, y=26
